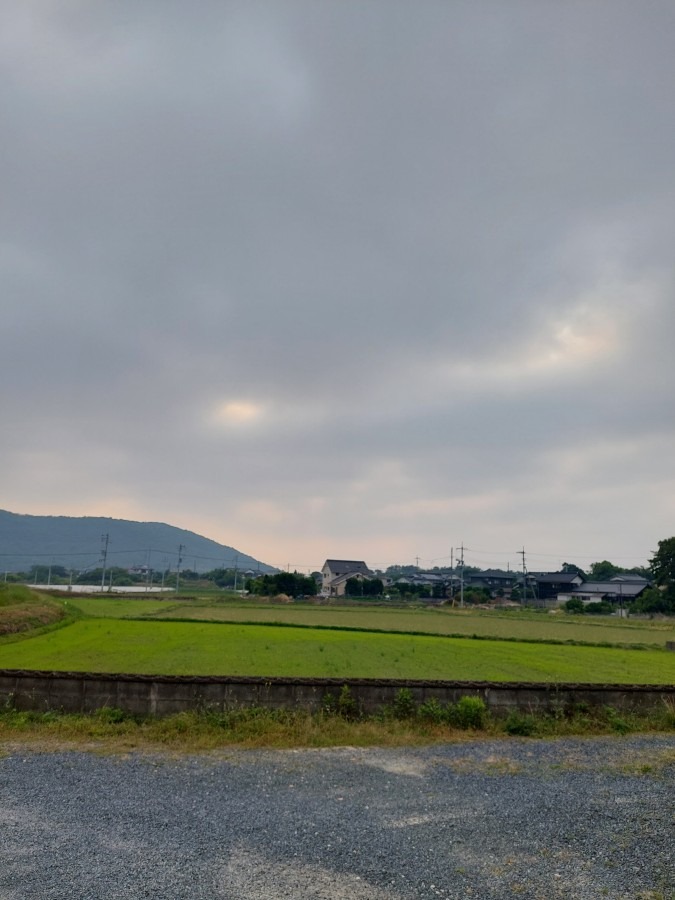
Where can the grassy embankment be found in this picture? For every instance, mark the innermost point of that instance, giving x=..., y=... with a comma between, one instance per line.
x=22, y=610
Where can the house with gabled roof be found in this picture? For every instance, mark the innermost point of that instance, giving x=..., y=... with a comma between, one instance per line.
x=550, y=584
x=617, y=592
x=336, y=572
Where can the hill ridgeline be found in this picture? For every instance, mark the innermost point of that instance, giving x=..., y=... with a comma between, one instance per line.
x=76, y=542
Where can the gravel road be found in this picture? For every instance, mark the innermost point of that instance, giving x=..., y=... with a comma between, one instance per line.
x=581, y=818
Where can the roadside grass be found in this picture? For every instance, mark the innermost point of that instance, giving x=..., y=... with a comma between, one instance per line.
x=194, y=648
x=111, y=730
x=517, y=624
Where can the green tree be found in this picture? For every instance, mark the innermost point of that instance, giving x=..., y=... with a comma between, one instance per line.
x=662, y=566
x=354, y=587
x=603, y=571
x=573, y=569
x=653, y=601
x=292, y=583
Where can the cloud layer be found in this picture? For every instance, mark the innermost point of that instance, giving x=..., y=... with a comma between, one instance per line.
x=343, y=279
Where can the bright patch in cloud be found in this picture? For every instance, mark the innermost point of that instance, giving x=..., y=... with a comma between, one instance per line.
x=238, y=412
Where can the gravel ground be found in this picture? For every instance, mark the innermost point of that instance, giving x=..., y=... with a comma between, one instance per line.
x=581, y=818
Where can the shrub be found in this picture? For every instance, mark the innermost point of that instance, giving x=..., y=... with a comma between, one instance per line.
x=329, y=704
x=521, y=724
x=668, y=714
x=574, y=605
x=616, y=722
x=599, y=608
x=468, y=712
x=111, y=715
x=347, y=706
x=404, y=704
x=432, y=711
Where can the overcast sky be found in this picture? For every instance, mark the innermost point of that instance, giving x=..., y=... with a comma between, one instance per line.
x=345, y=278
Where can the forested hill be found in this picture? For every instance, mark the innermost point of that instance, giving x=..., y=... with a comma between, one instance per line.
x=76, y=542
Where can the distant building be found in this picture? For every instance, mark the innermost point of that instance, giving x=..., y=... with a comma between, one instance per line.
x=616, y=592
x=551, y=584
x=336, y=572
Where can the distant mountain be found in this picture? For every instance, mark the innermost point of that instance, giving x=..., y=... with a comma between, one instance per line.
x=76, y=542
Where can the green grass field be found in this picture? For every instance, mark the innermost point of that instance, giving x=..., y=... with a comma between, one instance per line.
x=124, y=607
x=525, y=625
x=109, y=645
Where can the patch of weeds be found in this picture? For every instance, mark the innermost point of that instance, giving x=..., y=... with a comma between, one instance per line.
x=468, y=712
x=616, y=722
x=329, y=704
x=520, y=724
x=112, y=715
x=432, y=711
x=404, y=704
x=347, y=707
x=668, y=714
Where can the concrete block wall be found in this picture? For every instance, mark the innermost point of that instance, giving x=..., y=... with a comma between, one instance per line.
x=164, y=695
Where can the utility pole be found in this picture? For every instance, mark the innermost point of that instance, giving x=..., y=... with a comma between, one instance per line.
x=452, y=576
x=522, y=553
x=181, y=547
x=104, y=548
x=417, y=563
x=236, y=567
x=461, y=575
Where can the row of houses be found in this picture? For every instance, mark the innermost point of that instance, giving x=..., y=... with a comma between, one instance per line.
x=545, y=588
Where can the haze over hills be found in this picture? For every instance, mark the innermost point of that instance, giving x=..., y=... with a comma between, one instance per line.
x=76, y=542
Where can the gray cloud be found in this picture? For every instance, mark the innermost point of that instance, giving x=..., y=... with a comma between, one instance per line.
x=342, y=278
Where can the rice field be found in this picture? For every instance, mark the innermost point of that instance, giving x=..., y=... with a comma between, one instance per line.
x=203, y=648
x=516, y=625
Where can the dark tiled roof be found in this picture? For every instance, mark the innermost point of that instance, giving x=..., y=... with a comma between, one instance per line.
x=558, y=578
x=354, y=565
x=616, y=588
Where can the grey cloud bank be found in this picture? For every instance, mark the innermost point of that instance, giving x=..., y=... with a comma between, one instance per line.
x=333, y=279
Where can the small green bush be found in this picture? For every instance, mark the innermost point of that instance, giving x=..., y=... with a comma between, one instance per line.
x=575, y=605
x=432, y=711
x=111, y=715
x=468, y=712
x=668, y=714
x=520, y=724
x=616, y=721
x=329, y=704
x=404, y=704
x=347, y=706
